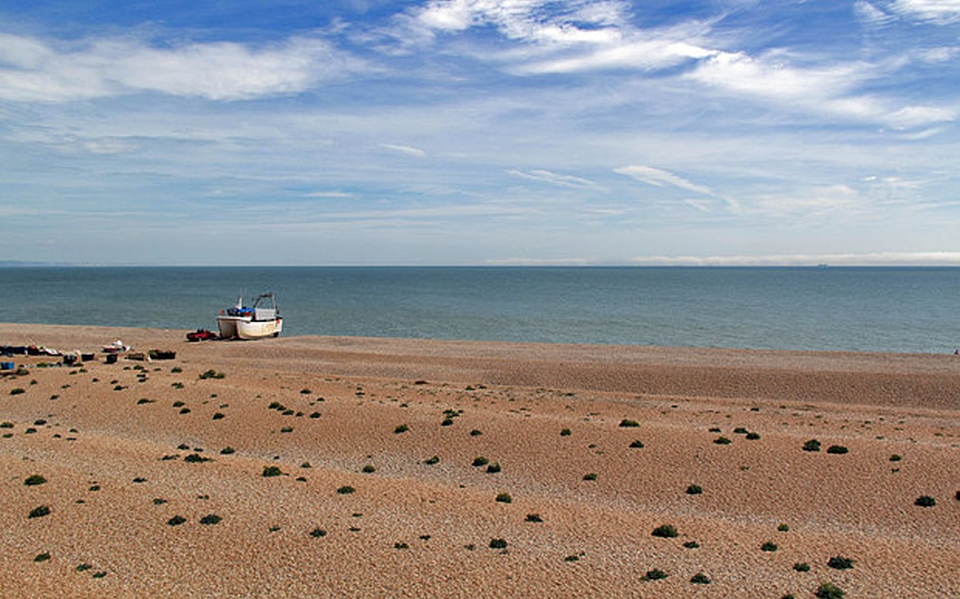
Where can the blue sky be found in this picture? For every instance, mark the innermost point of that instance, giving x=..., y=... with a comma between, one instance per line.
x=480, y=132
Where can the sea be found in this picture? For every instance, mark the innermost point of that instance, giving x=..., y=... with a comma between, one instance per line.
x=873, y=309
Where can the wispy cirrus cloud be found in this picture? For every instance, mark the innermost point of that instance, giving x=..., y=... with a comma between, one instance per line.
x=552, y=178
x=406, y=150
x=660, y=178
x=32, y=70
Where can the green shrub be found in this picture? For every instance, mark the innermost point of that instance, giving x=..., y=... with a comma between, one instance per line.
x=828, y=590
x=811, y=445
x=39, y=511
x=837, y=449
x=504, y=498
x=286, y=429
x=655, y=574
x=272, y=471
x=218, y=416
x=176, y=521
x=784, y=527
x=700, y=578
x=34, y=479
x=493, y=468
x=801, y=567
x=431, y=461
x=345, y=490
x=925, y=501
x=227, y=450
x=498, y=544
x=691, y=545
x=768, y=546
x=533, y=518
x=722, y=441
x=17, y=391
x=739, y=431
x=590, y=476
x=638, y=444
x=565, y=432
x=212, y=374
x=895, y=458
x=210, y=519
x=480, y=461
x=318, y=533
x=196, y=458
x=666, y=531
x=42, y=557
x=305, y=391
x=840, y=563
x=694, y=490
x=402, y=428
x=625, y=423
x=475, y=433
x=752, y=436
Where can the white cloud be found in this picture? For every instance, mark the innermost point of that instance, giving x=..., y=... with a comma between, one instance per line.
x=31, y=70
x=554, y=178
x=942, y=12
x=408, y=150
x=850, y=259
x=660, y=178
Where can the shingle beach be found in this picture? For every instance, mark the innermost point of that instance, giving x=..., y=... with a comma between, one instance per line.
x=330, y=466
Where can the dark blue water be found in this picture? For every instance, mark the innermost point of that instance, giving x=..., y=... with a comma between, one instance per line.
x=860, y=309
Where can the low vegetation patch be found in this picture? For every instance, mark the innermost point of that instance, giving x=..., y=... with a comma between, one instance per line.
x=837, y=449
x=272, y=471
x=33, y=480
x=176, y=521
x=768, y=546
x=925, y=501
x=700, y=578
x=694, y=490
x=402, y=428
x=210, y=519
x=626, y=423
x=828, y=590
x=212, y=374
x=39, y=511
x=498, y=544
x=840, y=563
x=665, y=531
x=655, y=574
x=504, y=498
x=346, y=490
x=811, y=445
x=637, y=444
x=801, y=567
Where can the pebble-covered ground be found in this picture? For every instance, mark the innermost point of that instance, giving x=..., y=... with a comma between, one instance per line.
x=320, y=466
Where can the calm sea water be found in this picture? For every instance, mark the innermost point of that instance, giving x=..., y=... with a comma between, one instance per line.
x=860, y=309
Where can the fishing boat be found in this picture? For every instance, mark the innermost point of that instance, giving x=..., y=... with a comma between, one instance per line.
x=256, y=322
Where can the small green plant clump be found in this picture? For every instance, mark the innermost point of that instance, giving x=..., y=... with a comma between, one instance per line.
x=700, y=578
x=196, y=458
x=271, y=471
x=752, y=436
x=784, y=527
x=533, y=518
x=925, y=501
x=402, y=428
x=801, y=567
x=368, y=469
x=637, y=444
x=176, y=521
x=504, y=498
x=840, y=563
x=655, y=574
x=565, y=432
x=896, y=457
x=210, y=519
x=768, y=546
x=493, y=468
x=627, y=423
x=212, y=374
x=346, y=490
x=837, y=449
x=811, y=445
x=722, y=441
x=828, y=590
x=42, y=557
x=665, y=531
x=691, y=545
x=498, y=544
x=480, y=461
x=694, y=490
x=33, y=480
x=318, y=533
x=590, y=476
x=39, y=511
x=432, y=460
x=17, y=391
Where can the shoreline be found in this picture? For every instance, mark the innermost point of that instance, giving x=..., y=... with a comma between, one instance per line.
x=377, y=441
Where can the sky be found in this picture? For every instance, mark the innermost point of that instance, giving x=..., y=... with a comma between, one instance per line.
x=480, y=132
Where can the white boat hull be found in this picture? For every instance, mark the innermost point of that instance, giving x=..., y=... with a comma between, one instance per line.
x=228, y=326
x=258, y=329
